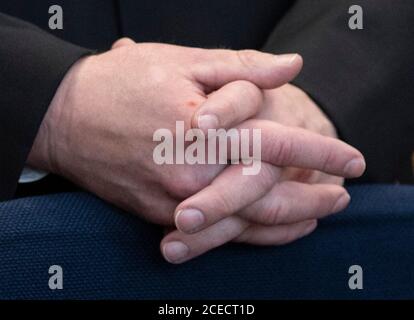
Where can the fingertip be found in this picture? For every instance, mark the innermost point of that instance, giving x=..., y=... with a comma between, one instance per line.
x=297, y=65
x=355, y=167
x=207, y=121
x=175, y=252
x=312, y=225
x=341, y=203
x=289, y=64
x=189, y=220
x=292, y=60
x=298, y=61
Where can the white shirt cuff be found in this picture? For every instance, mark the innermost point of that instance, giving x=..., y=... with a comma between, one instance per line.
x=31, y=175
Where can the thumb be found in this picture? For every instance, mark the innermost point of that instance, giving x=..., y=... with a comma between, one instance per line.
x=267, y=71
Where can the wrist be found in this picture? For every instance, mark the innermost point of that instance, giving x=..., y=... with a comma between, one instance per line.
x=44, y=154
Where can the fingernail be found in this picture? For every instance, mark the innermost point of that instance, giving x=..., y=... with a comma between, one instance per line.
x=175, y=251
x=208, y=121
x=286, y=59
x=341, y=203
x=189, y=220
x=355, y=167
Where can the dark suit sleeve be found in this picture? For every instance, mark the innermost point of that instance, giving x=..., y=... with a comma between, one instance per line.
x=362, y=79
x=32, y=64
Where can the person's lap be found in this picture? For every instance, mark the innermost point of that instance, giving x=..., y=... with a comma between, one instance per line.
x=107, y=254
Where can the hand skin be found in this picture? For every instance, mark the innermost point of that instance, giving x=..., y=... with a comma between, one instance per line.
x=98, y=129
x=291, y=106
x=290, y=209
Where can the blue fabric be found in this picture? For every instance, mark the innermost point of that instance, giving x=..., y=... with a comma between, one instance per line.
x=107, y=254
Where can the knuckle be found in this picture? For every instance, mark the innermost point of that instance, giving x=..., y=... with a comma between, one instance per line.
x=274, y=214
x=228, y=109
x=244, y=85
x=182, y=184
x=328, y=159
x=304, y=175
x=198, y=55
x=325, y=127
x=250, y=91
x=283, y=153
x=247, y=57
x=269, y=175
x=221, y=202
x=157, y=76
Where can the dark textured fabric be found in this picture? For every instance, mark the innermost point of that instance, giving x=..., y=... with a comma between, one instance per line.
x=107, y=254
x=86, y=23
x=32, y=64
x=363, y=79
x=235, y=24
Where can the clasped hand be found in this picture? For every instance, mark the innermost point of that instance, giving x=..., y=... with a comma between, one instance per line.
x=98, y=133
